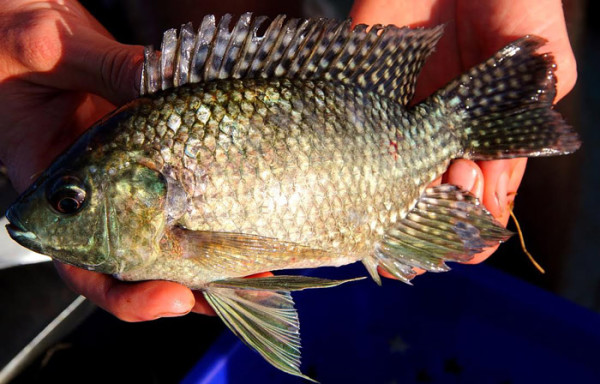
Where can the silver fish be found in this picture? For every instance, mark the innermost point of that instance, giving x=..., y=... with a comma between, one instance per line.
x=295, y=149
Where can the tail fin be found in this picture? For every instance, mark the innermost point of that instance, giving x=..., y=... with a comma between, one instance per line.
x=506, y=102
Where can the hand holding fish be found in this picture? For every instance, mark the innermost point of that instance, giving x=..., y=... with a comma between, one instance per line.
x=74, y=59
x=474, y=31
x=299, y=147
x=60, y=72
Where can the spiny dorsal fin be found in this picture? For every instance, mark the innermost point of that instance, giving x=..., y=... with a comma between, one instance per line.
x=383, y=59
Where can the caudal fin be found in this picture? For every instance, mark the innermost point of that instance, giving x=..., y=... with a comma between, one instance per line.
x=506, y=105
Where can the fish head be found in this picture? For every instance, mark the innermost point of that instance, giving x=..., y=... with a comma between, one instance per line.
x=95, y=207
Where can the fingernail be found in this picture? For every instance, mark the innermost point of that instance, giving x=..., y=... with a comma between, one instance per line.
x=463, y=175
x=171, y=314
x=501, y=191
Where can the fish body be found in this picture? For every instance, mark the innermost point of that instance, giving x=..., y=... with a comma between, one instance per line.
x=316, y=164
x=296, y=149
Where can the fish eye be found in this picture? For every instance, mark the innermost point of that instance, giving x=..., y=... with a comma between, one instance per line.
x=66, y=195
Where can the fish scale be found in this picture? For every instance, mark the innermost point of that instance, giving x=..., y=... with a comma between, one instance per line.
x=297, y=148
x=245, y=181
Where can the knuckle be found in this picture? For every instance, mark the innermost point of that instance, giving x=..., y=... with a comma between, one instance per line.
x=34, y=39
x=118, y=70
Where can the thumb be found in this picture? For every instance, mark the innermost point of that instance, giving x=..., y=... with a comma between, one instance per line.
x=65, y=48
x=83, y=58
x=97, y=64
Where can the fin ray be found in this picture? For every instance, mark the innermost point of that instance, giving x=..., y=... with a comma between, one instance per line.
x=505, y=104
x=446, y=224
x=242, y=254
x=261, y=312
x=280, y=283
x=381, y=59
x=249, y=323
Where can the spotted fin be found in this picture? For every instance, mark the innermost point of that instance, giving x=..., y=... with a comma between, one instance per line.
x=383, y=59
x=506, y=105
x=261, y=312
x=447, y=224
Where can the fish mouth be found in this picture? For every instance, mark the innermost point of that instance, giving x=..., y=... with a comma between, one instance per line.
x=18, y=233
x=17, y=230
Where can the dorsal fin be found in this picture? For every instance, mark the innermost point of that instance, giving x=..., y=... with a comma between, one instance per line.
x=382, y=59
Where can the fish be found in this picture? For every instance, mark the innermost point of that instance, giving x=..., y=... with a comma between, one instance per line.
x=293, y=148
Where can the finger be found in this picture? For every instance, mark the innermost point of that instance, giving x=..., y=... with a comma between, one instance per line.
x=201, y=306
x=386, y=274
x=140, y=301
x=100, y=65
x=502, y=179
x=435, y=182
x=65, y=48
x=466, y=175
x=261, y=274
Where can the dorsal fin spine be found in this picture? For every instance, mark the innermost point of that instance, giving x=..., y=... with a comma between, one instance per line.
x=290, y=55
x=308, y=40
x=205, y=35
x=240, y=29
x=317, y=54
x=361, y=77
x=167, y=57
x=385, y=60
x=333, y=54
x=217, y=49
x=266, y=47
x=245, y=51
x=292, y=49
x=183, y=63
x=289, y=38
x=334, y=67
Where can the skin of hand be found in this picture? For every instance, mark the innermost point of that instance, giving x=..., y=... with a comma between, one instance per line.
x=60, y=71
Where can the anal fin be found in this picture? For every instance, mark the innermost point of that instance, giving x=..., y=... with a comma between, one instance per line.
x=447, y=224
x=261, y=312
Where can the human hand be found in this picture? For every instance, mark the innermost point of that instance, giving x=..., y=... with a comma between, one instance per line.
x=60, y=71
x=473, y=32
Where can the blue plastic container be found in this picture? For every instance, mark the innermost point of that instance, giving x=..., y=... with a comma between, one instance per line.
x=472, y=325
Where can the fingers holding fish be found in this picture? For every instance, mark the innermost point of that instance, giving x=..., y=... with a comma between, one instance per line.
x=133, y=302
x=44, y=47
x=47, y=68
x=502, y=179
x=467, y=175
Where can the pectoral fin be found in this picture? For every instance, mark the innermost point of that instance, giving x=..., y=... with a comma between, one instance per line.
x=243, y=254
x=261, y=312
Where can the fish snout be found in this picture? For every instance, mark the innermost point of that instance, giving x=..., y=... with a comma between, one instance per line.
x=15, y=226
